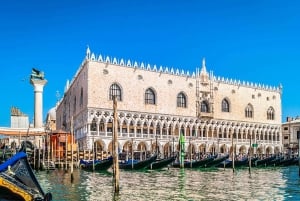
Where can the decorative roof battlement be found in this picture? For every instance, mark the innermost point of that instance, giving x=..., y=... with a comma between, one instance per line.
x=247, y=84
x=134, y=64
x=90, y=56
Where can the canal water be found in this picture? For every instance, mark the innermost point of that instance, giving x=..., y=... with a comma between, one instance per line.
x=175, y=184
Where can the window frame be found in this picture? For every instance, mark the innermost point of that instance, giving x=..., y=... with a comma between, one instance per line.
x=116, y=90
x=150, y=96
x=181, y=100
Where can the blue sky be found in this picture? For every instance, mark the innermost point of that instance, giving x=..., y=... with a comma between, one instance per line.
x=251, y=40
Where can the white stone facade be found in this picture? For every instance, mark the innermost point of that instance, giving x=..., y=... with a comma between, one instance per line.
x=211, y=112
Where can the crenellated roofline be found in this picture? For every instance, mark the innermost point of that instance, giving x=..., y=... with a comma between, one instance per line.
x=90, y=56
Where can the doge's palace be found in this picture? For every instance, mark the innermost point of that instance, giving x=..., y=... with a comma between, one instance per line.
x=156, y=104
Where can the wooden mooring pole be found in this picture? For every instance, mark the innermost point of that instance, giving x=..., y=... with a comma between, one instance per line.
x=66, y=152
x=233, y=150
x=115, y=148
x=250, y=155
x=72, y=142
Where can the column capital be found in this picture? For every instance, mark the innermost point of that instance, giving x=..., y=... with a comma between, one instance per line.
x=38, y=84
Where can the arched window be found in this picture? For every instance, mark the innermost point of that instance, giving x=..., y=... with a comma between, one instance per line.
x=271, y=114
x=74, y=105
x=150, y=97
x=249, y=111
x=94, y=124
x=115, y=90
x=204, y=106
x=81, y=97
x=181, y=100
x=225, y=105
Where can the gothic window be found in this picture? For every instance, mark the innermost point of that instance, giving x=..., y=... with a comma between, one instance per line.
x=74, y=106
x=225, y=105
x=249, y=111
x=115, y=90
x=81, y=97
x=204, y=106
x=181, y=100
x=94, y=125
x=271, y=113
x=150, y=97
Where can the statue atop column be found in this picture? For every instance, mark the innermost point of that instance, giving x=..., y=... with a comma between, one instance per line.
x=37, y=75
x=38, y=81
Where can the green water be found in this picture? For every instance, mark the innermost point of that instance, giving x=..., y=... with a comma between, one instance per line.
x=175, y=184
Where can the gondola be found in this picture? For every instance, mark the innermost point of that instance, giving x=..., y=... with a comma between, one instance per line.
x=195, y=163
x=158, y=164
x=275, y=161
x=286, y=162
x=264, y=161
x=228, y=163
x=18, y=181
x=295, y=161
x=137, y=165
x=97, y=165
x=216, y=161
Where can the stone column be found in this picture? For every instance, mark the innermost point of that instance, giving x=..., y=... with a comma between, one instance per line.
x=38, y=85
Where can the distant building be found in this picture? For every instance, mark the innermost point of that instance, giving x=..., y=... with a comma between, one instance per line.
x=289, y=134
x=18, y=119
x=160, y=103
x=51, y=119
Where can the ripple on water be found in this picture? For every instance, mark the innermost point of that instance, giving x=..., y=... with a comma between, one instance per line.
x=175, y=184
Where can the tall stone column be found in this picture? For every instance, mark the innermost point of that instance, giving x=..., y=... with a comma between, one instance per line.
x=38, y=85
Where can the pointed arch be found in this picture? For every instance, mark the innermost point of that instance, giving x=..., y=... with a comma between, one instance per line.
x=94, y=124
x=81, y=98
x=204, y=106
x=150, y=97
x=271, y=113
x=225, y=105
x=74, y=105
x=115, y=90
x=181, y=100
x=249, y=111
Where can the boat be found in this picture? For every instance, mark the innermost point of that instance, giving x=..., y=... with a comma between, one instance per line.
x=18, y=181
x=275, y=161
x=237, y=163
x=194, y=163
x=286, y=162
x=216, y=161
x=264, y=161
x=161, y=163
x=97, y=165
x=295, y=161
x=136, y=164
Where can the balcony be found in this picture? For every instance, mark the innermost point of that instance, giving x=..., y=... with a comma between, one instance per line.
x=205, y=115
x=198, y=139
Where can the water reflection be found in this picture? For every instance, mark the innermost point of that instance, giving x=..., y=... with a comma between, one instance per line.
x=176, y=184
